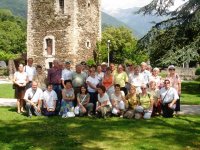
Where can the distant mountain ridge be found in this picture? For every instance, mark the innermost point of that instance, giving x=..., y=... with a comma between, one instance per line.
x=142, y=24
x=138, y=23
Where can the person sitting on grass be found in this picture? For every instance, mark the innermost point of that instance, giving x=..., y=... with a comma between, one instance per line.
x=132, y=101
x=168, y=96
x=67, y=99
x=145, y=104
x=103, y=104
x=154, y=93
x=83, y=99
x=49, y=101
x=33, y=97
x=117, y=100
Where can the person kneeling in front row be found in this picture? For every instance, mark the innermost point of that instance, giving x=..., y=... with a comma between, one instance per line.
x=49, y=101
x=33, y=97
x=103, y=104
x=168, y=96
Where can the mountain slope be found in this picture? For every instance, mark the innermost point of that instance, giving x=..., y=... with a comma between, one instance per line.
x=138, y=22
x=109, y=20
x=19, y=8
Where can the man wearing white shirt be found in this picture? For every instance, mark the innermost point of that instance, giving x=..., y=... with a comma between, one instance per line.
x=66, y=73
x=136, y=79
x=30, y=70
x=49, y=101
x=168, y=96
x=33, y=97
x=146, y=74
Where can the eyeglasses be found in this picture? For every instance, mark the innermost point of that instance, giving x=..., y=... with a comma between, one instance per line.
x=171, y=69
x=167, y=83
x=143, y=88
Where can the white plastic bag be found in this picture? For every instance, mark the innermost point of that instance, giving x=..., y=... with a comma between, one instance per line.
x=114, y=111
x=147, y=115
x=121, y=105
x=70, y=114
x=77, y=110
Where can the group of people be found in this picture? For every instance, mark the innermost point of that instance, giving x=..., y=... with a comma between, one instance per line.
x=132, y=91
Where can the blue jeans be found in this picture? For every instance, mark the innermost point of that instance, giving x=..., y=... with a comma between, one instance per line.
x=57, y=89
x=66, y=106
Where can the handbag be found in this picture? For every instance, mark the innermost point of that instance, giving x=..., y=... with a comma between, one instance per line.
x=14, y=86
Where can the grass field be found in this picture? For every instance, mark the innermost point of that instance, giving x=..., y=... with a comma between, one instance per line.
x=17, y=132
x=6, y=91
x=190, y=93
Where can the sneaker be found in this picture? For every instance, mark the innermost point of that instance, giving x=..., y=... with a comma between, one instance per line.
x=121, y=116
x=89, y=115
x=64, y=116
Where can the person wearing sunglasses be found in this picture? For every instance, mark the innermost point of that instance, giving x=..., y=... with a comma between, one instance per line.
x=168, y=97
x=175, y=82
x=145, y=104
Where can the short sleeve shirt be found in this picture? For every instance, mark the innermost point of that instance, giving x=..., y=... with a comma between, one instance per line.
x=117, y=98
x=104, y=98
x=94, y=81
x=49, y=97
x=20, y=77
x=168, y=96
x=35, y=95
x=121, y=78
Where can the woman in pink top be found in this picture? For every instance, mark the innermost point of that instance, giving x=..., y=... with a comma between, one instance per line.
x=175, y=82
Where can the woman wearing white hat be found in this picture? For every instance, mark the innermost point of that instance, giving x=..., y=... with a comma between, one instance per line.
x=175, y=82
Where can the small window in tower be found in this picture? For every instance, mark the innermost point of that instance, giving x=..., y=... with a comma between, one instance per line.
x=88, y=4
x=50, y=64
x=49, y=46
x=62, y=4
x=88, y=44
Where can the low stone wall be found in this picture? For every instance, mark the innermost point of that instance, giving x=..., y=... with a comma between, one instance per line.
x=185, y=73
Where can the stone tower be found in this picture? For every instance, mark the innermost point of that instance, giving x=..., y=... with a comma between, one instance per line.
x=62, y=29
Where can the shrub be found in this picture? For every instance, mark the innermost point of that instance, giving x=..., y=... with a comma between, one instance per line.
x=197, y=72
x=3, y=72
x=90, y=62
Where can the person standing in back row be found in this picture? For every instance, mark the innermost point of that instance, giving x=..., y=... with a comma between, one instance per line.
x=31, y=71
x=175, y=82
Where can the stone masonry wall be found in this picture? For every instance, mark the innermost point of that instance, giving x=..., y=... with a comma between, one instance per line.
x=79, y=24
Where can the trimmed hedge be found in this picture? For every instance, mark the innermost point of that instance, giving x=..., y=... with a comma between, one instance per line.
x=197, y=72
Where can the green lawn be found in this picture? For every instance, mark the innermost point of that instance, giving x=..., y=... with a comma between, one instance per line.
x=190, y=93
x=6, y=91
x=17, y=132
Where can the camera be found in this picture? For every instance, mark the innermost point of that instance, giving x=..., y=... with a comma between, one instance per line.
x=29, y=97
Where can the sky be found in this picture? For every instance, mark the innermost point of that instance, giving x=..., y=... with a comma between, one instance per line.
x=108, y=5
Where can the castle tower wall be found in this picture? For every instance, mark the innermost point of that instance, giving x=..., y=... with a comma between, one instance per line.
x=64, y=31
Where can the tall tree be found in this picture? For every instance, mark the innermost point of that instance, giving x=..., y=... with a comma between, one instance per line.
x=122, y=45
x=175, y=40
x=12, y=35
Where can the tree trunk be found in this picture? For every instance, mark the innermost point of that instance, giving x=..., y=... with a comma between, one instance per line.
x=11, y=68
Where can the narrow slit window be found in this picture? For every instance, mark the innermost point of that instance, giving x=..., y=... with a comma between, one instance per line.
x=49, y=45
x=62, y=4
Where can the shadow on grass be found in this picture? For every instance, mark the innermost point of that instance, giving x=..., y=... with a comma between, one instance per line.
x=192, y=88
x=86, y=133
